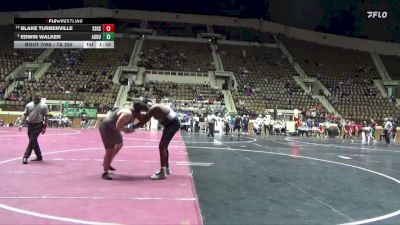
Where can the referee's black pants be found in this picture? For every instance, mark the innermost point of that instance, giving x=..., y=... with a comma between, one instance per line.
x=34, y=130
x=387, y=136
x=211, y=127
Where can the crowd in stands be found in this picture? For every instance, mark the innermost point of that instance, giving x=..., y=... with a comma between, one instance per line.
x=348, y=75
x=11, y=58
x=182, y=97
x=369, y=102
x=264, y=78
x=177, y=91
x=174, y=55
x=82, y=75
x=5, y=70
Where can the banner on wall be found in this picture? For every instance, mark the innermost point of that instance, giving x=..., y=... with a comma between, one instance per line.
x=91, y=113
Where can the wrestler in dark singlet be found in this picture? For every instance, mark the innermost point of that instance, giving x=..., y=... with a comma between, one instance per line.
x=110, y=131
x=168, y=118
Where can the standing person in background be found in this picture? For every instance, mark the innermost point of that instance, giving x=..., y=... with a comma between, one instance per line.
x=191, y=123
x=347, y=131
x=359, y=128
x=309, y=123
x=365, y=135
x=266, y=121
x=271, y=126
x=259, y=121
x=36, y=114
x=84, y=120
x=196, y=122
x=245, y=121
x=202, y=123
x=394, y=130
x=304, y=114
x=237, y=126
x=372, y=124
x=232, y=124
x=211, y=119
x=387, y=129
x=275, y=112
x=340, y=128
x=354, y=131
x=227, y=122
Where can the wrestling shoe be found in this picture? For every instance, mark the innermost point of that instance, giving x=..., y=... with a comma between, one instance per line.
x=168, y=171
x=106, y=176
x=159, y=175
x=38, y=159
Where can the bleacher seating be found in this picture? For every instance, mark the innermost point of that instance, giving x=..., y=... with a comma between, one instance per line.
x=10, y=59
x=176, y=91
x=185, y=96
x=175, y=55
x=82, y=75
x=269, y=76
x=348, y=75
x=264, y=75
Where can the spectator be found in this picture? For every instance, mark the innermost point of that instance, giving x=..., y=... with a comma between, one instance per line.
x=387, y=129
x=211, y=119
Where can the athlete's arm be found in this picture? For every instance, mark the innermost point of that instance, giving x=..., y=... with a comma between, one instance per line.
x=25, y=115
x=46, y=120
x=23, y=118
x=124, y=118
x=145, y=118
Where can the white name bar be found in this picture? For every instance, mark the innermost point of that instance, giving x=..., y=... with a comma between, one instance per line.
x=64, y=44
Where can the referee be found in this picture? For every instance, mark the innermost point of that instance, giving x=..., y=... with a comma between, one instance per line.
x=36, y=115
x=211, y=119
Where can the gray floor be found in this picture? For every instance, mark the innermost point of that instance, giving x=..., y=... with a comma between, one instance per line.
x=294, y=180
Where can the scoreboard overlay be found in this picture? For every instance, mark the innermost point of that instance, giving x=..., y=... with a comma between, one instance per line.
x=95, y=33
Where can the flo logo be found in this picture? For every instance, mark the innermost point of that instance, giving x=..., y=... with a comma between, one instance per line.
x=376, y=14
